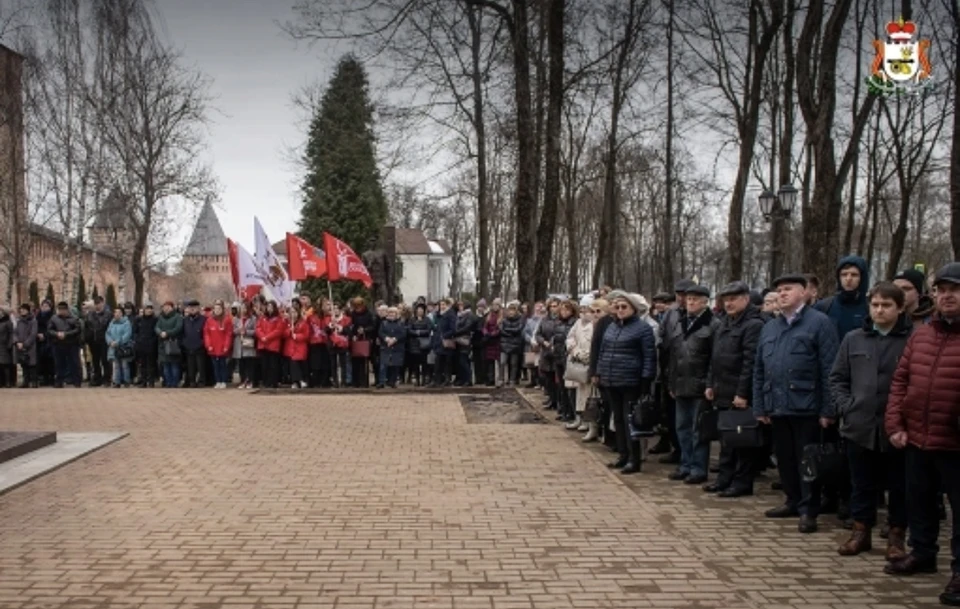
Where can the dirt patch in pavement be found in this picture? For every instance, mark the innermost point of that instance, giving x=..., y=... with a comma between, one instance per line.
x=504, y=407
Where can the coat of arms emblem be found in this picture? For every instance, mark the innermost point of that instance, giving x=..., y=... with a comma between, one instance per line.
x=902, y=63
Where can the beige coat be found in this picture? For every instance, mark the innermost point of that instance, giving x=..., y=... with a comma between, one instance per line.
x=578, y=345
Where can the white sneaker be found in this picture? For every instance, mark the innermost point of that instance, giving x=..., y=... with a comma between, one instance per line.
x=303, y=384
x=295, y=386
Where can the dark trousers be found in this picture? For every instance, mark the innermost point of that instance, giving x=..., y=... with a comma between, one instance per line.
x=319, y=366
x=67, y=365
x=299, y=371
x=549, y=382
x=196, y=364
x=416, y=364
x=870, y=472
x=29, y=375
x=249, y=370
x=148, y=369
x=513, y=363
x=270, y=362
x=669, y=406
x=619, y=399
x=339, y=362
x=98, y=362
x=46, y=366
x=790, y=435
x=463, y=367
x=8, y=375
x=442, y=369
x=739, y=467
x=361, y=372
x=479, y=366
x=926, y=471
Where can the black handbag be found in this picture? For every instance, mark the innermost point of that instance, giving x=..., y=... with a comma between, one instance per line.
x=739, y=428
x=644, y=417
x=171, y=348
x=124, y=351
x=707, y=423
x=591, y=410
x=821, y=462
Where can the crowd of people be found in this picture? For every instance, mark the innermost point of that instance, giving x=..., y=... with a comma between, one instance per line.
x=856, y=396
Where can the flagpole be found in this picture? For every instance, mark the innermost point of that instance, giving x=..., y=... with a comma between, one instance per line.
x=330, y=291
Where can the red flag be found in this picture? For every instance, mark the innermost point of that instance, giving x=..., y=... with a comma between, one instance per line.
x=234, y=266
x=243, y=272
x=304, y=260
x=344, y=263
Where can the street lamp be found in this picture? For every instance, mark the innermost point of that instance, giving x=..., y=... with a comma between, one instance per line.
x=776, y=208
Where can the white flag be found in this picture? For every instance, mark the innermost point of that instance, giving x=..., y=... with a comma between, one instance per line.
x=269, y=267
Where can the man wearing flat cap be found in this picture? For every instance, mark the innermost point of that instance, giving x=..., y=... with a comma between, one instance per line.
x=791, y=392
x=671, y=318
x=730, y=385
x=690, y=344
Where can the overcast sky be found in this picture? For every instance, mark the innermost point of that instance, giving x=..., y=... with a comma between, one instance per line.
x=255, y=70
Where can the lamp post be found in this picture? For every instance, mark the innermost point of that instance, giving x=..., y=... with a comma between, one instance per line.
x=776, y=209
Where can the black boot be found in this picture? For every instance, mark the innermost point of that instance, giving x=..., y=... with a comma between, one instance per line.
x=661, y=447
x=633, y=459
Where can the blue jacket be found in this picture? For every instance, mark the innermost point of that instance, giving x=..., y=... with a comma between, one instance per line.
x=848, y=310
x=193, y=332
x=119, y=331
x=628, y=354
x=446, y=328
x=792, y=368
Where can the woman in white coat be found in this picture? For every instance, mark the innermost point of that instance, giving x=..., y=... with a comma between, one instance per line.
x=578, y=353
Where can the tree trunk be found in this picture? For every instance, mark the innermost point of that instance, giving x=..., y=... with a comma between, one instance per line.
x=551, y=191
x=479, y=127
x=526, y=166
x=668, y=274
x=818, y=99
x=955, y=148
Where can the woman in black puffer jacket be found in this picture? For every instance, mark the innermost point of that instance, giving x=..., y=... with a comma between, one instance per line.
x=419, y=340
x=566, y=317
x=512, y=343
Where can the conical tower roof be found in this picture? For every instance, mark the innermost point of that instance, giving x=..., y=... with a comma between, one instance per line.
x=208, y=238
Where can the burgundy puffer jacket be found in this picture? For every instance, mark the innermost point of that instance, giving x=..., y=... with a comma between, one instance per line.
x=925, y=394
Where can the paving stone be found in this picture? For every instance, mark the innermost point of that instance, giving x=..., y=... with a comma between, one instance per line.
x=227, y=499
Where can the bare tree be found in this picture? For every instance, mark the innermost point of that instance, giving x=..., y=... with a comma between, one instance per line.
x=158, y=113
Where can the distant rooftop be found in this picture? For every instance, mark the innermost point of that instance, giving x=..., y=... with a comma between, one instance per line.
x=114, y=212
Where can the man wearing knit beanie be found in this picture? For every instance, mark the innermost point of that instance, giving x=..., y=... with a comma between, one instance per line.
x=917, y=304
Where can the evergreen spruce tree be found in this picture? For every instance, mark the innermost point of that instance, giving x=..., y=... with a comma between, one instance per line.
x=342, y=193
x=81, y=292
x=111, y=297
x=34, y=292
x=50, y=295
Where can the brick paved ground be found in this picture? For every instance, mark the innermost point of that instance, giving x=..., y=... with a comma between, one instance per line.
x=221, y=499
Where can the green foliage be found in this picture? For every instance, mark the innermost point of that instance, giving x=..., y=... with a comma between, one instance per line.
x=111, y=297
x=50, y=295
x=34, y=293
x=342, y=193
x=81, y=292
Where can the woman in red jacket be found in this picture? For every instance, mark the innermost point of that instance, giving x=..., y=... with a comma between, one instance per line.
x=319, y=322
x=218, y=341
x=296, y=347
x=270, y=330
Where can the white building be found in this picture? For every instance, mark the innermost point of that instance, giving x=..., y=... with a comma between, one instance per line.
x=425, y=266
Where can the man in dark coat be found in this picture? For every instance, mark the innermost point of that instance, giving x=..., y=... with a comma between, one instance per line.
x=63, y=332
x=669, y=442
x=8, y=373
x=443, y=343
x=923, y=417
x=194, y=351
x=860, y=383
x=730, y=385
x=690, y=346
x=95, y=330
x=791, y=392
x=917, y=303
